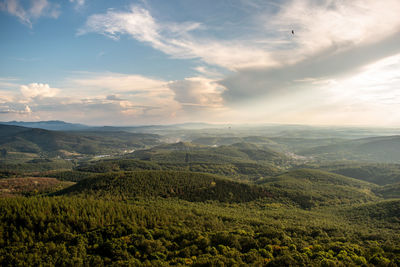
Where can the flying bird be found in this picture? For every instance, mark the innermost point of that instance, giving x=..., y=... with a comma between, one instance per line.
x=293, y=32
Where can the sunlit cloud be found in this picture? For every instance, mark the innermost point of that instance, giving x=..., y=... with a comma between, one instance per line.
x=38, y=90
x=370, y=96
x=100, y=98
x=331, y=39
x=332, y=24
x=318, y=26
x=197, y=91
x=340, y=65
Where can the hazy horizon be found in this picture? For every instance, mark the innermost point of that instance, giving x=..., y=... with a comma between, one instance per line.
x=215, y=125
x=152, y=62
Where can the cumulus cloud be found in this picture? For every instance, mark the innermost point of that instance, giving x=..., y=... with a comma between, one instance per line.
x=197, y=91
x=145, y=90
x=15, y=110
x=38, y=90
x=38, y=8
x=136, y=99
x=332, y=60
x=103, y=97
x=277, y=76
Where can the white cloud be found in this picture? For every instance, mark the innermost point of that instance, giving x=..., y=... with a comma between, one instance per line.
x=370, y=96
x=27, y=109
x=38, y=90
x=132, y=98
x=38, y=8
x=319, y=25
x=198, y=91
x=120, y=82
x=6, y=96
x=208, y=72
x=119, y=99
x=154, y=96
x=14, y=8
x=174, y=39
x=327, y=24
x=9, y=83
x=376, y=84
x=138, y=23
x=15, y=110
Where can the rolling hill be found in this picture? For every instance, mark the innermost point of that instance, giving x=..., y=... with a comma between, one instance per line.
x=389, y=191
x=377, y=173
x=49, y=125
x=310, y=188
x=235, y=170
x=388, y=211
x=30, y=186
x=54, y=143
x=376, y=149
x=185, y=185
x=188, y=152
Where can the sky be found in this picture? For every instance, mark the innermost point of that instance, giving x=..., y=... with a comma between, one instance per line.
x=126, y=62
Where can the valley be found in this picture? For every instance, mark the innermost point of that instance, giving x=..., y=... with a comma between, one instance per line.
x=126, y=197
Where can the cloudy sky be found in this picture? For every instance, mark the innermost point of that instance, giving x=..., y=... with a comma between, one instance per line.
x=127, y=62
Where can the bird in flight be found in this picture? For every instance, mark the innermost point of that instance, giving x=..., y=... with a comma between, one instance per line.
x=293, y=32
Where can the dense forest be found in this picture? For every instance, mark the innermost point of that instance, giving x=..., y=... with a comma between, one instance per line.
x=218, y=200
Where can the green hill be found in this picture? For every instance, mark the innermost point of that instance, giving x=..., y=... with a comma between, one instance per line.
x=259, y=154
x=185, y=185
x=8, y=130
x=389, y=191
x=388, y=211
x=377, y=173
x=238, y=170
x=311, y=188
x=187, y=152
x=54, y=125
x=378, y=149
x=183, y=146
x=54, y=143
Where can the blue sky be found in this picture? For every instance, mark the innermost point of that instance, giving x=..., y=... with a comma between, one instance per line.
x=236, y=61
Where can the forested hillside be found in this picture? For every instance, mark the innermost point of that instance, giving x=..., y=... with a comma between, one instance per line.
x=372, y=149
x=184, y=185
x=76, y=231
x=135, y=199
x=16, y=139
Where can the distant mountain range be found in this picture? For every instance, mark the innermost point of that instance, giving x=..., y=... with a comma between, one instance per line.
x=57, y=125
x=49, y=125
